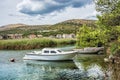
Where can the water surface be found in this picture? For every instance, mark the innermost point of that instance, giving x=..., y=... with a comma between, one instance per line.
x=84, y=67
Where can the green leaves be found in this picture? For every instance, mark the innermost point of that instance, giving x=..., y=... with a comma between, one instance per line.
x=114, y=47
x=90, y=37
x=110, y=10
x=106, y=6
x=109, y=21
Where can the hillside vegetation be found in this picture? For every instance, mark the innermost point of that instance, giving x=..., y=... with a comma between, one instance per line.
x=66, y=27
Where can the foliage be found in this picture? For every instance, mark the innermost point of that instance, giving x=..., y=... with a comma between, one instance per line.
x=110, y=20
x=23, y=44
x=115, y=47
x=114, y=33
x=106, y=6
x=110, y=10
x=90, y=37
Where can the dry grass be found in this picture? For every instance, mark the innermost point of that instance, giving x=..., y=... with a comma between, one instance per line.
x=23, y=44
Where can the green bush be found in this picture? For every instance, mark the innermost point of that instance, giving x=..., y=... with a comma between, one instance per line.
x=91, y=37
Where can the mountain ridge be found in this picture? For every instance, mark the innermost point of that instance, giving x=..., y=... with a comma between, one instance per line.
x=68, y=26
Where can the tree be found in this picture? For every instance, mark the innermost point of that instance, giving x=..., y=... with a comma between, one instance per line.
x=90, y=37
x=106, y=6
x=110, y=10
x=110, y=19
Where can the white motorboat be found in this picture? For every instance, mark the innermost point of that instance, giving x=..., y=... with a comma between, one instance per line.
x=50, y=54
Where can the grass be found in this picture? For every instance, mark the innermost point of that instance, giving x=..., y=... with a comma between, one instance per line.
x=25, y=44
x=91, y=60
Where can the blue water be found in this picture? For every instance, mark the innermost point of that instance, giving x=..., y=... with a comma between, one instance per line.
x=80, y=69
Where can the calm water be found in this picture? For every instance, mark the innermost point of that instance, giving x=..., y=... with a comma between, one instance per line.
x=84, y=67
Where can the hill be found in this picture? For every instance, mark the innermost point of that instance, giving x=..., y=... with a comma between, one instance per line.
x=11, y=26
x=69, y=26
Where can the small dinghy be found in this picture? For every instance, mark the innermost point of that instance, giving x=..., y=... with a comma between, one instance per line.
x=90, y=50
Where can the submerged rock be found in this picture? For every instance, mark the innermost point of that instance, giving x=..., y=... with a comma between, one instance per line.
x=71, y=75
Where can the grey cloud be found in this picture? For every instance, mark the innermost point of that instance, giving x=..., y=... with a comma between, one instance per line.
x=12, y=15
x=91, y=17
x=42, y=7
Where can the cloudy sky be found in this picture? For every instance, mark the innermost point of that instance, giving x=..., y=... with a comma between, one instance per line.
x=45, y=11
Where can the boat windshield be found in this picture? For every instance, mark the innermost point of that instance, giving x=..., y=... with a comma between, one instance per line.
x=59, y=51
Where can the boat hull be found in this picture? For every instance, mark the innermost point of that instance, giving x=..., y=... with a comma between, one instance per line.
x=85, y=52
x=57, y=57
x=91, y=50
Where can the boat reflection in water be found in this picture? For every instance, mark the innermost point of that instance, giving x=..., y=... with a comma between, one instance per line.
x=49, y=66
x=42, y=70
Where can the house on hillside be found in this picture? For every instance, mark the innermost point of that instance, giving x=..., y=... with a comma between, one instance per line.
x=31, y=36
x=5, y=36
x=72, y=35
x=14, y=36
x=39, y=36
x=59, y=36
x=1, y=37
x=18, y=36
x=51, y=36
x=10, y=36
x=69, y=35
x=65, y=36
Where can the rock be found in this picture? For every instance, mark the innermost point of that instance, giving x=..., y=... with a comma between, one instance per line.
x=106, y=60
x=12, y=60
x=111, y=56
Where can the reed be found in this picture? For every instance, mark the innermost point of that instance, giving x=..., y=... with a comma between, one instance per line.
x=25, y=44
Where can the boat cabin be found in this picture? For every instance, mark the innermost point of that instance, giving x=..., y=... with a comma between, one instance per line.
x=51, y=51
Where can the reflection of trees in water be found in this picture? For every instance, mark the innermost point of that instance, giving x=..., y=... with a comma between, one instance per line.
x=93, y=72
x=63, y=71
x=47, y=70
x=87, y=60
x=71, y=75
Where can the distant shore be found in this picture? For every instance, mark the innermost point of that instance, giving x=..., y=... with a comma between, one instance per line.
x=37, y=43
